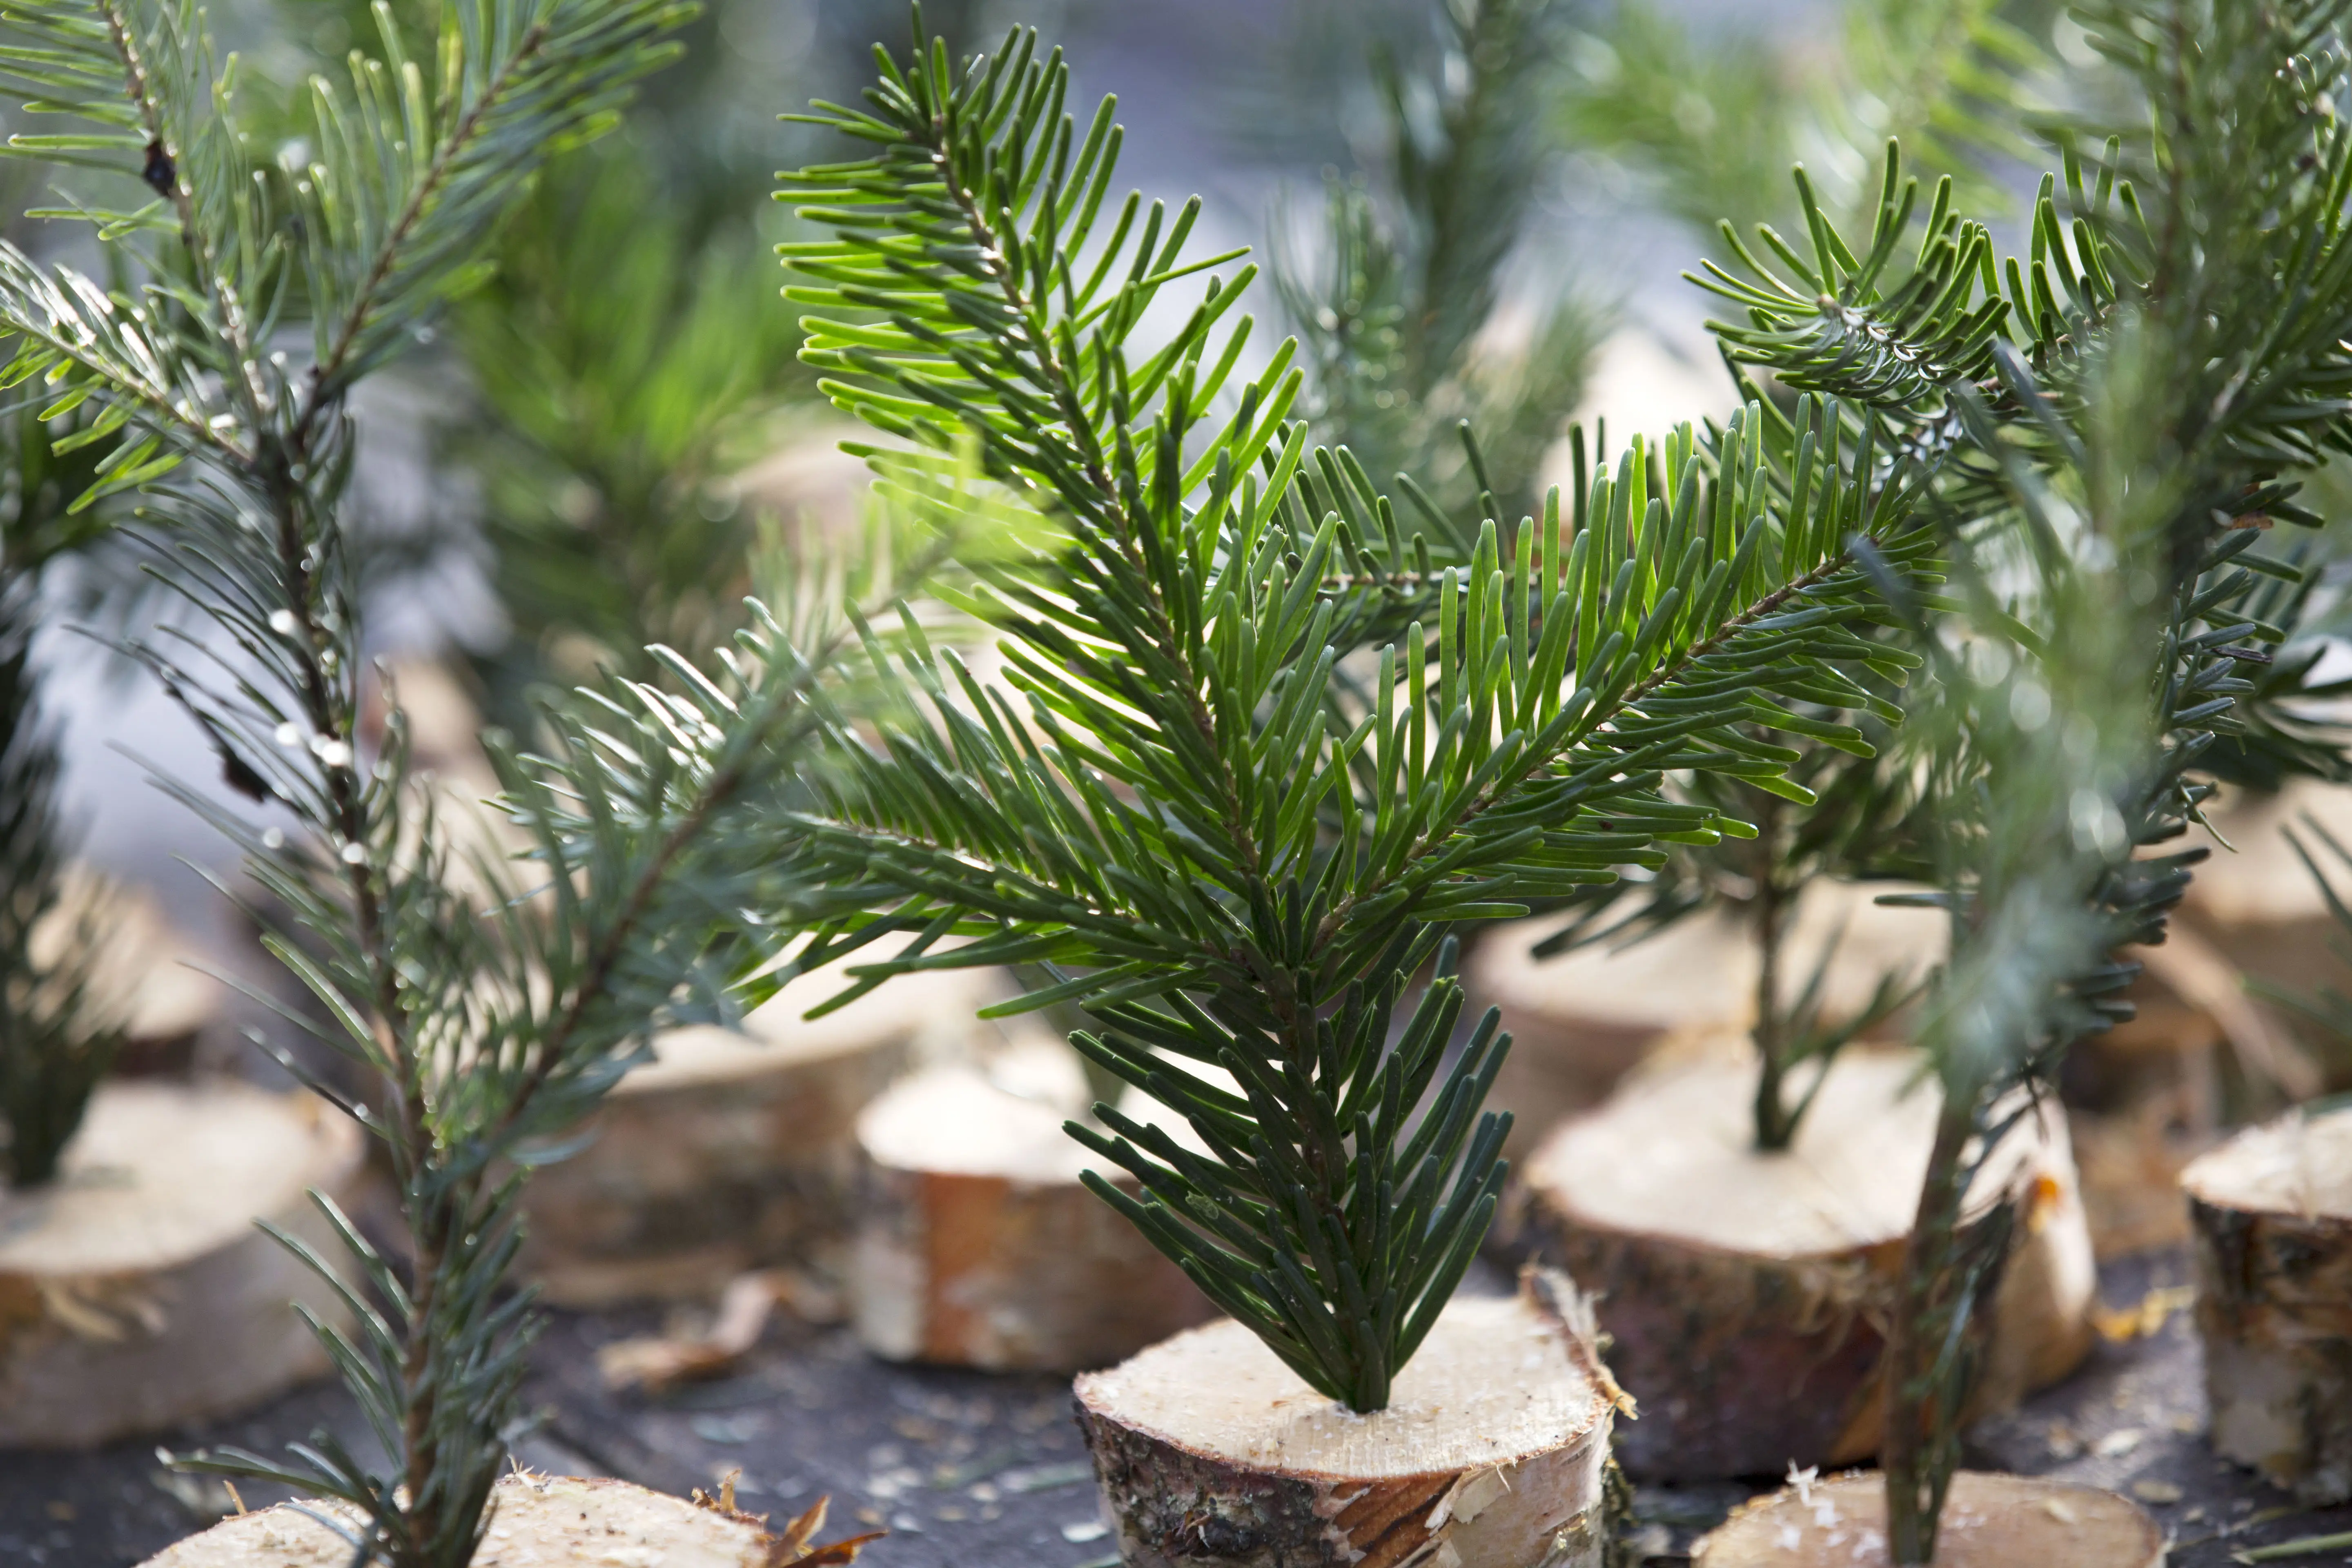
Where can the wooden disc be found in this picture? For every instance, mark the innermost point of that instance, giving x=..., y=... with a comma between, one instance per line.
x=2255, y=898
x=979, y=1247
x=1581, y=1020
x=135, y=1292
x=538, y=1521
x=734, y=1151
x=141, y=968
x=1209, y=1451
x=1988, y=1521
x=1744, y=1292
x=2271, y=1219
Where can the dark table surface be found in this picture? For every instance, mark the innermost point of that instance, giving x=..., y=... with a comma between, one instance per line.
x=983, y=1471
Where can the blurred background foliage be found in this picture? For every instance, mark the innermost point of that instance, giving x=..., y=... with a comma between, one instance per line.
x=1710, y=120
x=1470, y=208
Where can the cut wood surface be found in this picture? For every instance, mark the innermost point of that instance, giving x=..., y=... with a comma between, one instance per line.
x=538, y=1521
x=979, y=1246
x=1988, y=1521
x=2271, y=1214
x=142, y=968
x=1580, y=1020
x=1210, y=1452
x=731, y=1151
x=1746, y=1293
x=135, y=1291
x=2255, y=898
x=975, y=1470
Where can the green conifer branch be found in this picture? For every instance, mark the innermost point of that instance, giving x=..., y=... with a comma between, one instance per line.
x=2199, y=374
x=487, y=1007
x=1394, y=312
x=1233, y=854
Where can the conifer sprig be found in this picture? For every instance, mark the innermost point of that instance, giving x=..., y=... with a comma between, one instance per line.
x=412, y=162
x=2170, y=362
x=59, y=1034
x=485, y=1007
x=1234, y=850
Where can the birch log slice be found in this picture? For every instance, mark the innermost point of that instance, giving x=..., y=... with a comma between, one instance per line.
x=1988, y=1521
x=735, y=1151
x=979, y=1246
x=1210, y=1452
x=1579, y=1021
x=2270, y=1215
x=539, y=1521
x=135, y=1291
x=1746, y=1293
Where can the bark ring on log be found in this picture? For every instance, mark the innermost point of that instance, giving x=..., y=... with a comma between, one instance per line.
x=979, y=1247
x=1745, y=1294
x=734, y=1151
x=1210, y=1452
x=136, y=1293
x=1989, y=1522
x=2271, y=1220
x=537, y=1521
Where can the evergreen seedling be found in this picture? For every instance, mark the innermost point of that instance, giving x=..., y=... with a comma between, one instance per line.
x=1260, y=750
x=2121, y=414
x=619, y=358
x=1855, y=814
x=483, y=1026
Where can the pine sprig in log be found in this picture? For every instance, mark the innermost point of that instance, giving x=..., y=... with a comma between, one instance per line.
x=1233, y=852
x=1395, y=305
x=486, y=1022
x=2157, y=379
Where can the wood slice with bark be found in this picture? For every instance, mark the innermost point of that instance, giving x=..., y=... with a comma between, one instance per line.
x=1746, y=1293
x=979, y=1246
x=537, y=1521
x=2271, y=1215
x=1210, y=1452
x=734, y=1151
x=1989, y=1522
x=136, y=1293
x=1581, y=1020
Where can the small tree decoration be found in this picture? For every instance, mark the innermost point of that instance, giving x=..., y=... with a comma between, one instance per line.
x=2111, y=471
x=1861, y=821
x=1752, y=1300
x=1237, y=849
x=620, y=358
x=484, y=1028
